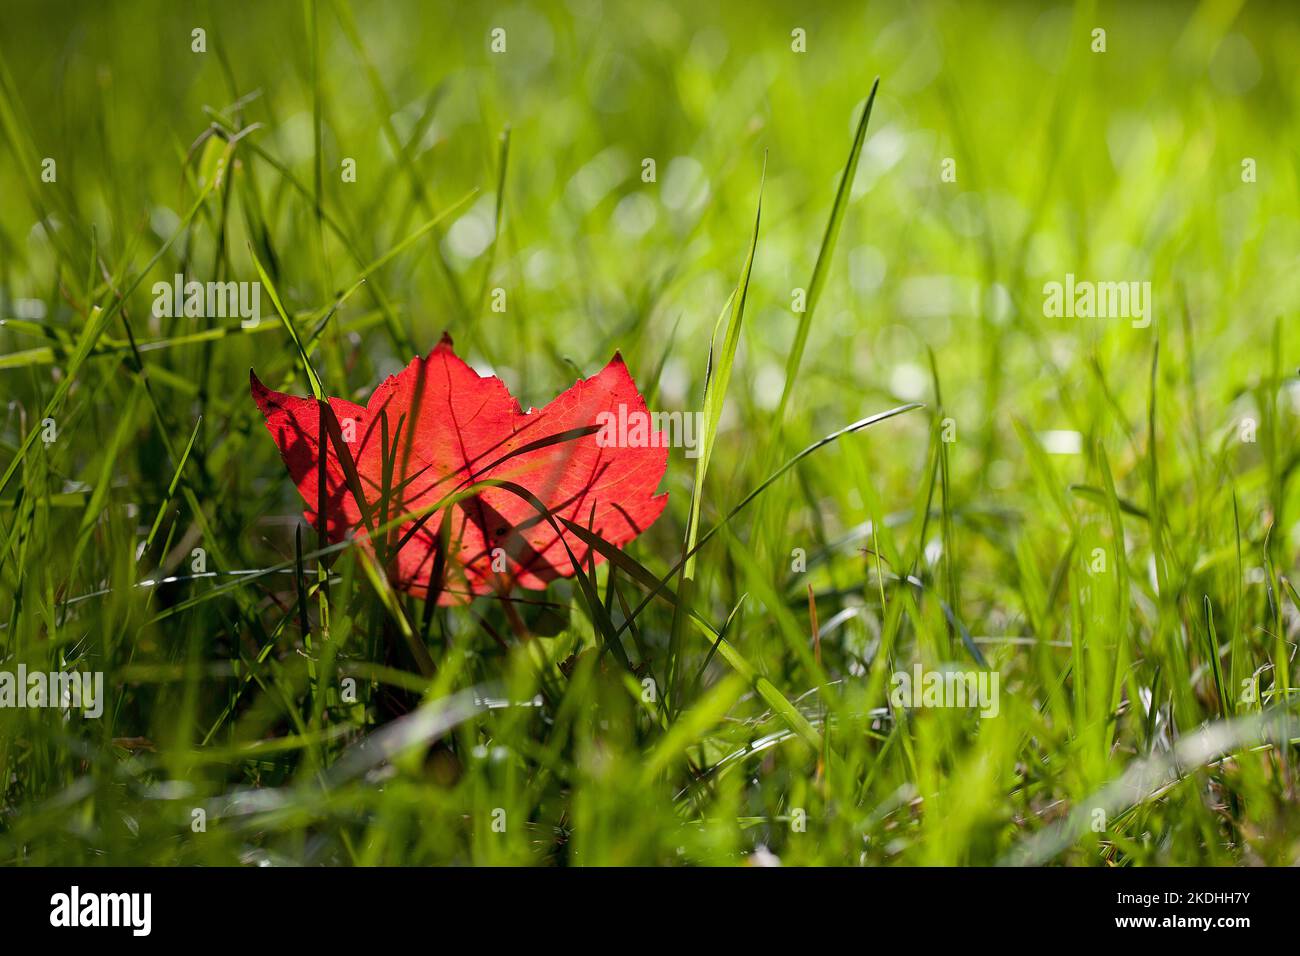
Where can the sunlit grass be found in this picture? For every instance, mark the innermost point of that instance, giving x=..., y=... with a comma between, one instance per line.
x=1103, y=514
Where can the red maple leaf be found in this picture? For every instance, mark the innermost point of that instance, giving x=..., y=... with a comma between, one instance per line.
x=437, y=428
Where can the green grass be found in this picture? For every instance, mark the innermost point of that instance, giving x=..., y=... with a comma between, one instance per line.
x=1126, y=593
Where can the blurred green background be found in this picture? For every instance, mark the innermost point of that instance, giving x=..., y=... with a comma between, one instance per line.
x=1063, y=435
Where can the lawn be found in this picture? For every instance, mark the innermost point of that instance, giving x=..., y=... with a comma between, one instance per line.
x=982, y=523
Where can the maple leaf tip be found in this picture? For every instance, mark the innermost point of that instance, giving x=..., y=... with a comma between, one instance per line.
x=263, y=396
